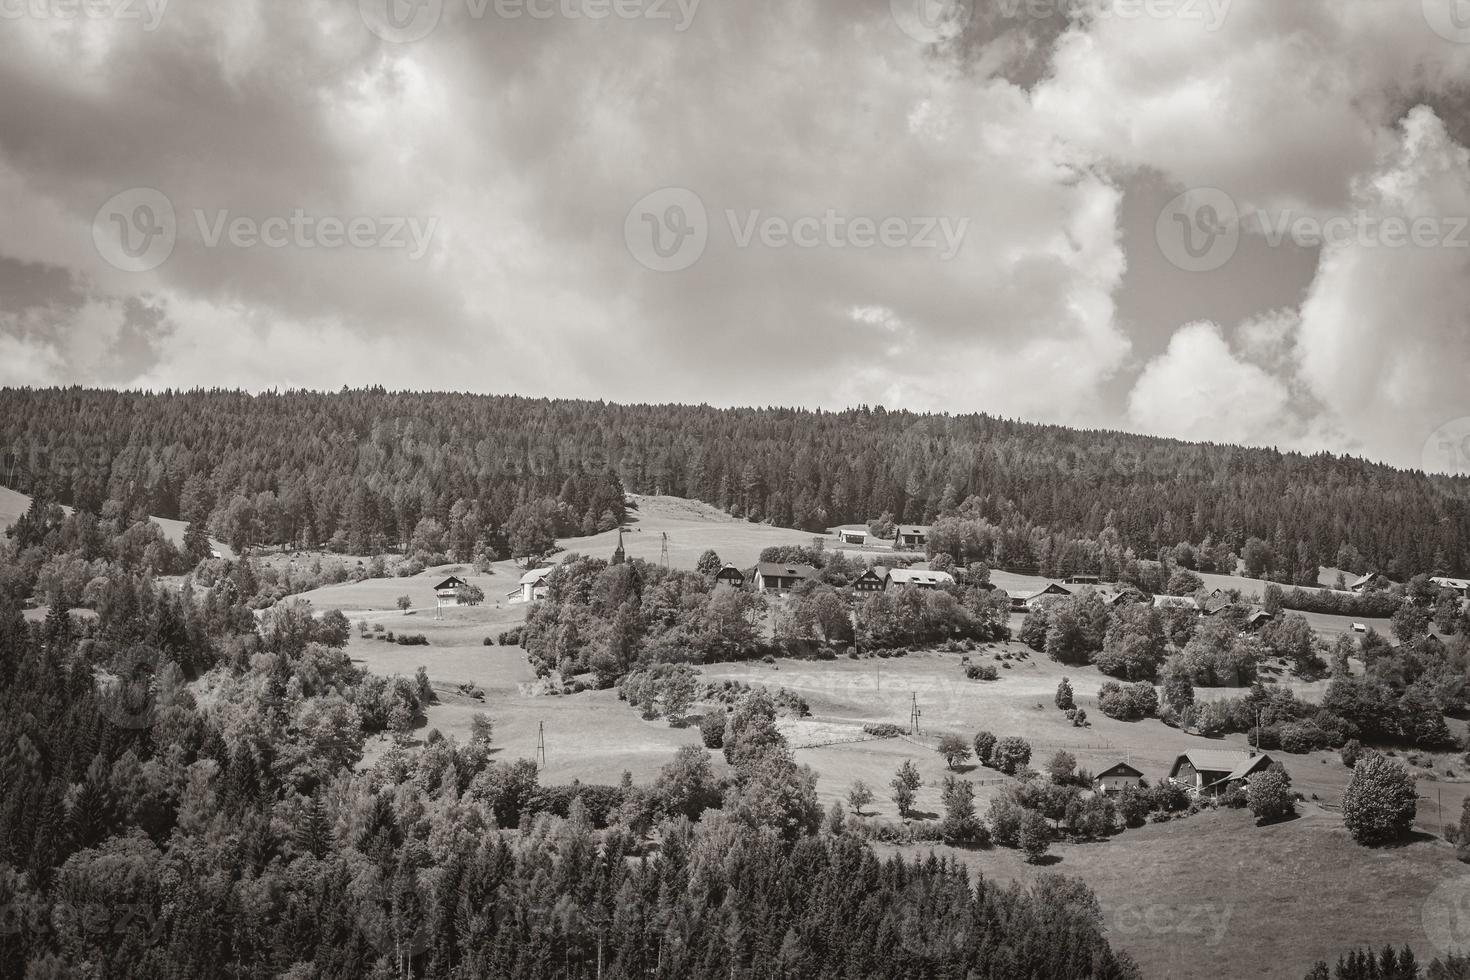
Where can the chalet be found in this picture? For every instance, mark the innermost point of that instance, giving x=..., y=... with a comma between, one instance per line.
x=875, y=579
x=1022, y=601
x=1257, y=618
x=918, y=578
x=446, y=593
x=852, y=535
x=729, y=577
x=1360, y=627
x=1212, y=771
x=1117, y=778
x=534, y=584
x=911, y=536
x=1373, y=580
x=1176, y=602
x=1460, y=585
x=1083, y=580
x=771, y=576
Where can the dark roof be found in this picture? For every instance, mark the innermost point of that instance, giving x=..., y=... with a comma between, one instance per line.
x=1211, y=760
x=1119, y=769
x=906, y=529
x=727, y=570
x=452, y=582
x=1250, y=765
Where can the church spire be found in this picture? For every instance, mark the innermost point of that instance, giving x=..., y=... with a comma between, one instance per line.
x=619, y=556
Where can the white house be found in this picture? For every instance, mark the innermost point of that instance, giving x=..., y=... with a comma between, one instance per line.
x=446, y=593
x=534, y=584
x=1115, y=779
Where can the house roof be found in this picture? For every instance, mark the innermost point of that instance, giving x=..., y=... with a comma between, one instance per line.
x=1175, y=602
x=1212, y=760
x=1244, y=769
x=1364, y=580
x=1119, y=769
x=906, y=529
x=536, y=575
x=1216, y=602
x=452, y=582
x=1258, y=614
x=1051, y=589
x=879, y=572
x=775, y=569
x=726, y=569
x=919, y=576
x=1451, y=583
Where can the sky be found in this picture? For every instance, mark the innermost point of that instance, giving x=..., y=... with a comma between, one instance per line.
x=1221, y=220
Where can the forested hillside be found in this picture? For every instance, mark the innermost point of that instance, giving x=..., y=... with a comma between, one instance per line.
x=364, y=467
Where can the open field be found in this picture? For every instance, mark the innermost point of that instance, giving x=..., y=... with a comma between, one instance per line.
x=1214, y=896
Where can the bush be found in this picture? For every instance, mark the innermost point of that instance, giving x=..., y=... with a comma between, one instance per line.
x=984, y=747
x=1380, y=802
x=884, y=730
x=1269, y=795
x=1011, y=754
x=712, y=729
x=510, y=638
x=1128, y=702
x=982, y=672
x=416, y=640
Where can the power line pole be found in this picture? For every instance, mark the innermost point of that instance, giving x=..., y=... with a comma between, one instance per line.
x=914, y=713
x=541, y=744
x=663, y=555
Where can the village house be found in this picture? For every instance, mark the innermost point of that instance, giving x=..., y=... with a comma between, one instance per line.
x=1022, y=601
x=1117, y=778
x=446, y=593
x=534, y=584
x=729, y=577
x=1258, y=617
x=1460, y=585
x=852, y=535
x=1176, y=602
x=1373, y=580
x=911, y=537
x=874, y=579
x=918, y=578
x=1212, y=771
x=770, y=576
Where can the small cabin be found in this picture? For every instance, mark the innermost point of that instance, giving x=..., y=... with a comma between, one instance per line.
x=771, y=576
x=729, y=577
x=911, y=537
x=1117, y=778
x=848, y=535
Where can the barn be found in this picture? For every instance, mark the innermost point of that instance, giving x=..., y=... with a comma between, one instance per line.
x=1212, y=771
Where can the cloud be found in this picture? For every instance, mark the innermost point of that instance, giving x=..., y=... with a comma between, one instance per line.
x=1200, y=390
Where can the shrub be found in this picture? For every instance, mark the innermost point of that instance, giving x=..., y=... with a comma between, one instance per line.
x=1011, y=754
x=1128, y=702
x=884, y=730
x=712, y=729
x=1380, y=802
x=982, y=672
x=416, y=640
x=1269, y=795
x=984, y=747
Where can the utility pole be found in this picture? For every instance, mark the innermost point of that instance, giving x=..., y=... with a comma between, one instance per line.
x=663, y=556
x=541, y=744
x=914, y=713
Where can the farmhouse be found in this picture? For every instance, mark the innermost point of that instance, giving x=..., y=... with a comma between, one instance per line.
x=534, y=584
x=729, y=577
x=911, y=536
x=1373, y=580
x=1460, y=585
x=1212, y=771
x=1117, y=778
x=852, y=535
x=446, y=593
x=1022, y=601
x=770, y=576
x=918, y=578
x=1258, y=617
x=875, y=579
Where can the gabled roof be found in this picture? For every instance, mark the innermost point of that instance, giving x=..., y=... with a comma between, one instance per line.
x=452, y=582
x=1364, y=580
x=907, y=529
x=1258, y=614
x=1250, y=765
x=726, y=569
x=775, y=569
x=1212, y=760
x=1051, y=589
x=919, y=576
x=1460, y=584
x=879, y=572
x=1216, y=602
x=1119, y=769
x=1175, y=602
x=536, y=575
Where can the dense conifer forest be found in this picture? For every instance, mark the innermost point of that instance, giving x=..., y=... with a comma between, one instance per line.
x=363, y=467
